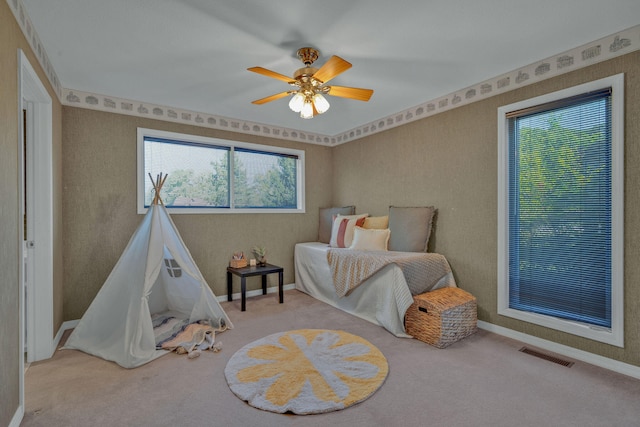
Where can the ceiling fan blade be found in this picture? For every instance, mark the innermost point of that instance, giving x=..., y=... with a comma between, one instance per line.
x=351, y=92
x=334, y=66
x=271, y=74
x=270, y=98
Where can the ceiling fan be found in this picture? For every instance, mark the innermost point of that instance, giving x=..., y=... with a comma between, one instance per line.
x=311, y=84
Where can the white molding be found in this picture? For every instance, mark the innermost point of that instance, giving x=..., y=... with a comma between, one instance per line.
x=256, y=292
x=39, y=305
x=33, y=97
x=584, y=356
x=70, y=324
x=574, y=353
x=17, y=417
x=615, y=334
x=21, y=254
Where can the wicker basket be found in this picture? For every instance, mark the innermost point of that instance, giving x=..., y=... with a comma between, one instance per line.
x=442, y=317
x=238, y=263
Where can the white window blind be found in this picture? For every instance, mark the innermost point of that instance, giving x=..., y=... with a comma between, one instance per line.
x=560, y=209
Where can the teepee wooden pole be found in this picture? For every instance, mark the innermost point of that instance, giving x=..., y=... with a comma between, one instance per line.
x=157, y=186
x=163, y=180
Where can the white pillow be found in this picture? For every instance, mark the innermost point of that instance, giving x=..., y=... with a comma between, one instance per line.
x=370, y=239
x=342, y=229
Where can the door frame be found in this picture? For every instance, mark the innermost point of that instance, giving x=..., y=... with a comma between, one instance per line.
x=34, y=97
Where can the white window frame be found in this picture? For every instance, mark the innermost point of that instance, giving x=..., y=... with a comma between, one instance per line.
x=615, y=334
x=142, y=177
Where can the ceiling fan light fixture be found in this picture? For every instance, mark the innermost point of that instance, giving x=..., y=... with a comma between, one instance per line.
x=321, y=103
x=307, y=110
x=311, y=84
x=297, y=102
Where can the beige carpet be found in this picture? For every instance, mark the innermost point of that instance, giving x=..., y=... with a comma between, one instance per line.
x=306, y=371
x=480, y=381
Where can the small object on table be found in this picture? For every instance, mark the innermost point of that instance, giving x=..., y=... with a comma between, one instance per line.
x=261, y=255
x=238, y=260
x=245, y=272
x=252, y=262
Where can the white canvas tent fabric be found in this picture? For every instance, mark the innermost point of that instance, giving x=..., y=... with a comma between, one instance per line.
x=117, y=325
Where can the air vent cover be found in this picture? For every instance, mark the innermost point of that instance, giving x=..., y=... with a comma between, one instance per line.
x=553, y=359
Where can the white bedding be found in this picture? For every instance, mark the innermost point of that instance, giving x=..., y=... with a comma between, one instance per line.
x=383, y=299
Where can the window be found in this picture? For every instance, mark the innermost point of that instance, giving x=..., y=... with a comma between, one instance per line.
x=264, y=178
x=173, y=268
x=560, y=209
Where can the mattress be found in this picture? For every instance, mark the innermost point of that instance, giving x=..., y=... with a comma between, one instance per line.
x=383, y=299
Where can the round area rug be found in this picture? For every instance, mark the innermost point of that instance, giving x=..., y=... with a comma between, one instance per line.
x=307, y=371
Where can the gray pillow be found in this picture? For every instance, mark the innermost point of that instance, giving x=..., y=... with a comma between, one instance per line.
x=326, y=221
x=410, y=228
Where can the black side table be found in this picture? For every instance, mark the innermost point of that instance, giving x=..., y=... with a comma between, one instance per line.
x=245, y=272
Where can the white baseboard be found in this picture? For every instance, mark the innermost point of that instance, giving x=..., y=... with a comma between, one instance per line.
x=70, y=324
x=574, y=353
x=270, y=290
x=17, y=417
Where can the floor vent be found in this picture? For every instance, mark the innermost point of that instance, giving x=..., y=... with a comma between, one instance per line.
x=547, y=357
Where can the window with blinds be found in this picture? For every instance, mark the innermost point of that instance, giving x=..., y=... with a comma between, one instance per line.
x=210, y=175
x=562, y=210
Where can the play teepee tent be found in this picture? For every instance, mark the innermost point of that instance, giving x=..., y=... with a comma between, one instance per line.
x=154, y=277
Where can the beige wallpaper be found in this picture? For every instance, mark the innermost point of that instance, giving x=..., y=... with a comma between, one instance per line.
x=450, y=161
x=11, y=39
x=9, y=302
x=100, y=207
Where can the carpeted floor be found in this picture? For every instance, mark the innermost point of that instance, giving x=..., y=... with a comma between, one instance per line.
x=482, y=380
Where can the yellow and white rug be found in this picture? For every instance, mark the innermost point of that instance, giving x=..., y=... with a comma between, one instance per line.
x=306, y=371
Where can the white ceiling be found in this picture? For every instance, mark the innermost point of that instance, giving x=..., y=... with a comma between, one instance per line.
x=193, y=54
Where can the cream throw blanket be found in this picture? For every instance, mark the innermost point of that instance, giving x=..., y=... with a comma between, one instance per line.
x=422, y=271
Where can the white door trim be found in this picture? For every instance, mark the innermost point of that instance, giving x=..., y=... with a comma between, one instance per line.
x=34, y=97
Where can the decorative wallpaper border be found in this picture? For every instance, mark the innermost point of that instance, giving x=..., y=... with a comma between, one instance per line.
x=34, y=41
x=609, y=47
x=112, y=104
x=620, y=43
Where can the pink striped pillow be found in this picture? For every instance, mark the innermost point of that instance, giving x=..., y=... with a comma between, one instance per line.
x=343, y=228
